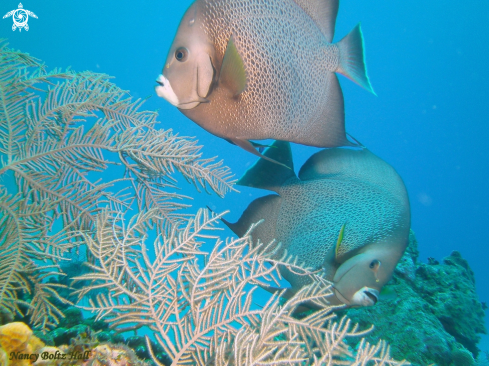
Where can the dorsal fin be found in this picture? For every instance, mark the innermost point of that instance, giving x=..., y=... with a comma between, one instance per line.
x=336, y=163
x=323, y=12
x=267, y=175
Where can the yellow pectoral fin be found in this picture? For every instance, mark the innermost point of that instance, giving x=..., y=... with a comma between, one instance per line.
x=233, y=73
x=338, y=242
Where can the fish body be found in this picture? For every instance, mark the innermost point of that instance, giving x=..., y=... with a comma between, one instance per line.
x=261, y=69
x=346, y=191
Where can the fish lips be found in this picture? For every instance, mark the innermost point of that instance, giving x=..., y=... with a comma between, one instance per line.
x=366, y=296
x=165, y=91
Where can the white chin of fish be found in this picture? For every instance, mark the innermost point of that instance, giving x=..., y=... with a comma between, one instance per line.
x=365, y=297
x=165, y=91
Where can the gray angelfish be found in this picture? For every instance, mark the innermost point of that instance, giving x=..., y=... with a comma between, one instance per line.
x=263, y=69
x=347, y=212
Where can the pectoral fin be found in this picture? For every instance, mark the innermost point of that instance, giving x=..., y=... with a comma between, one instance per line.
x=233, y=73
x=338, y=242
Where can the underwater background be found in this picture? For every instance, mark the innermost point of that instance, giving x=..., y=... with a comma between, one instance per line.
x=427, y=61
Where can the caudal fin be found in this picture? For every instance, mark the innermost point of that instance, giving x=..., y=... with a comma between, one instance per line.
x=352, y=59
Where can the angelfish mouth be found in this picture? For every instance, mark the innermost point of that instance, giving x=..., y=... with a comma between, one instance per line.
x=165, y=91
x=371, y=296
x=366, y=296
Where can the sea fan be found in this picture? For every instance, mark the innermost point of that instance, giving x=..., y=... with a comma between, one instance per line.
x=59, y=131
x=56, y=140
x=200, y=305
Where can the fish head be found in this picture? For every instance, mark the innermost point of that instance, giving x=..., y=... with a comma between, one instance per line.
x=188, y=73
x=359, y=280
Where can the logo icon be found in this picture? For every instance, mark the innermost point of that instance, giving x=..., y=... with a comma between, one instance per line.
x=20, y=17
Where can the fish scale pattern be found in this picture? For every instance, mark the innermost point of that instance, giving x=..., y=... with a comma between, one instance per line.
x=369, y=213
x=339, y=186
x=289, y=66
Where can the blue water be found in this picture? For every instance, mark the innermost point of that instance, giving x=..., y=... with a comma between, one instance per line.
x=428, y=62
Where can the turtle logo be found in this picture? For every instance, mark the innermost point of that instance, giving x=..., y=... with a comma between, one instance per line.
x=20, y=17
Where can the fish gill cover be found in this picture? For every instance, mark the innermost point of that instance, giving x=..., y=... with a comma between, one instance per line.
x=58, y=130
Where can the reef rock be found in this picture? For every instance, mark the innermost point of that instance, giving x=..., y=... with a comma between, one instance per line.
x=435, y=315
x=113, y=355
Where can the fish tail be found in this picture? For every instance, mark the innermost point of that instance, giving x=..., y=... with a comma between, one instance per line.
x=352, y=59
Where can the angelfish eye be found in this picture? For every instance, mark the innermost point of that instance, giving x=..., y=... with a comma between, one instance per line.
x=374, y=264
x=181, y=54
